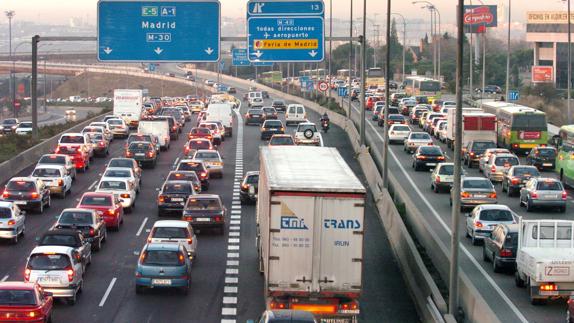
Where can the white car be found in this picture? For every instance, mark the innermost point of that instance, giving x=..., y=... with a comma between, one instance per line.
x=59, y=159
x=212, y=161
x=24, y=128
x=81, y=140
x=442, y=131
x=107, y=131
x=55, y=177
x=415, y=140
x=174, y=231
x=307, y=134
x=12, y=221
x=57, y=269
x=398, y=132
x=118, y=127
x=440, y=126
x=484, y=218
x=124, y=173
x=256, y=103
x=295, y=113
x=498, y=164
x=122, y=188
x=483, y=159
x=442, y=177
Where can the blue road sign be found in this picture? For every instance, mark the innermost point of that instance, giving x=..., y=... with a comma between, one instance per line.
x=342, y=91
x=285, y=31
x=159, y=31
x=513, y=95
x=221, y=65
x=257, y=63
x=239, y=57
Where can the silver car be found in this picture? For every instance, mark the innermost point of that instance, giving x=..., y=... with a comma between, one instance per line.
x=483, y=159
x=12, y=221
x=498, y=164
x=415, y=140
x=543, y=192
x=484, y=218
x=475, y=191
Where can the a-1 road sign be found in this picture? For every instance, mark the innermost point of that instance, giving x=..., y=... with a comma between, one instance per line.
x=239, y=57
x=159, y=31
x=342, y=91
x=285, y=31
x=513, y=95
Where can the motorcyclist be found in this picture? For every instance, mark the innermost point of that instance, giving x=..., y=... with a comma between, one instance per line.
x=325, y=117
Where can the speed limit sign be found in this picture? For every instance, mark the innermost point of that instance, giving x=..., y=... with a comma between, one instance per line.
x=323, y=86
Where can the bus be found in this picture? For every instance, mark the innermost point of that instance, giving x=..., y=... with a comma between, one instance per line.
x=519, y=128
x=422, y=86
x=375, y=78
x=565, y=158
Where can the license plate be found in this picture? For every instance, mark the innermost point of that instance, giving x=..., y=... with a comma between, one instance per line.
x=48, y=279
x=550, y=197
x=479, y=195
x=161, y=282
x=431, y=164
x=177, y=199
x=140, y=155
x=20, y=202
x=203, y=219
x=99, y=212
x=547, y=164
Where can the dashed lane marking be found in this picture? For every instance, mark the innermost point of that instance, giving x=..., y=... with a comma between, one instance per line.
x=112, y=283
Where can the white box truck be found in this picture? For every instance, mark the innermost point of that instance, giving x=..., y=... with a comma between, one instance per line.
x=310, y=228
x=159, y=128
x=476, y=125
x=545, y=259
x=221, y=112
x=129, y=105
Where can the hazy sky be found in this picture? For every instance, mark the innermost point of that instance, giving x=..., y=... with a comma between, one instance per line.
x=59, y=11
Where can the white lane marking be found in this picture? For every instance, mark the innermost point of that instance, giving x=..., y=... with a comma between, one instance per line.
x=231, y=280
x=232, y=255
x=227, y=320
x=232, y=247
x=229, y=311
x=229, y=300
x=234, y=228
x=235, y=222
x=5, y=278
x=175, y=162
x=447, y=229
x=234, y=234
x=92, y=185
x=112, y=283
x=232, y=263
x=235, y=211
x=235, y=217
x=141, y=227
x=236, y=207
x=230, y=289
x=231, y=271
x=233, y=240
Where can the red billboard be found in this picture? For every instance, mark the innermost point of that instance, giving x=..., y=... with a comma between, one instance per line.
x=542, y=74
x=477, y=18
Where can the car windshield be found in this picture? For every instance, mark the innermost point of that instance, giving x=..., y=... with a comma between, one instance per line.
x=548, y=152
x=201, y=130
x=274, y=123
x=5, y=213
x=52, y=160
x=281, y=141
x=305, y=127
x=177, y=188
x=117, y=173
x=549, y=186
x=269, y=110
x=503, y=161
x=139, y=138
x=96, y=200
x=139, y=146
x=430, y=151
x=46, y=172
x=21, y=186
x=126, y=163
x=278, y=103
x=112, y=185
x=203, y=204
x=115, y=122
x=496, y=215
x=482, y=146
x=75, y=217
x=96, y=137
x=165, y=232
x=58, y=240
x=206, y=155
x=17, y=297
x=48, y=261
x=25, y=125
x=189, y=166
x=526, y=171
x=446, y=170
x=477, y=183
x=199, y=144
x=161, y=258
x=396, y=117
x=9, y=121
x=72, y=139
x=420, y=136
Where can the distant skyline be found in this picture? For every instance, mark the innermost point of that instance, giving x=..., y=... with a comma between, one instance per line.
x=60, y=11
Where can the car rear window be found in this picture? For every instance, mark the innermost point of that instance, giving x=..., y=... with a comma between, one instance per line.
x=522, y=171
x=161, y=258
x=255, y=111
x=5, y=213
x=182, y=176
x=252, y=179
x=17, y=297
x=430, y=150
x=117, y=173
x=68, y=150
x=139, y=146
x=203, y=204
x=177, y=188
x=75, y=217
x=207, y=155
x=280, y=141
x=420, y=136
x=96, y=200
x=112, y=185
x=496, y=215
x=446, y=170
x=72, y=139
x=40, y=261
x=482, y=146
x=189, y=166
x=52, y=160
x=126, y=163
x=549, y=186
x=199, y=144
x=201, y=130
x=115, y=121
x=46, y=172
x=165, y=232
x=269, y=110
x=305, y=127
x=401, y=128
x=273, y=123
x=278, y=103
x=58, y=240
x=21, y=186
x=548, y=152
x=396, y=117
x=511, y=240
x=477, y=183
x=502, y=161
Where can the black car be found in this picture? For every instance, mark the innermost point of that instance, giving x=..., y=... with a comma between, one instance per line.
x=427, y=156
x=269, y=113
x=490, y=89
x=182, y=175
x=88, y=222
x=199, y=168
x=173, y=196
x=27, y=193
x=205, y=211
x=9, y=125
x=500, y=247
x=542, y=157
x=143, y=152
x=279, y=105
x=392, y=119
x=516, y=177
x=270, y=128
x=254, y=116
x=68, y=238
x=249, y=188
x=474, y=149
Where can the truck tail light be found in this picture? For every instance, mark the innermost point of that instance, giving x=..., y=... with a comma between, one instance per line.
x=564, y=195
x=27, y=274
x=506, y=253
x=549, y=287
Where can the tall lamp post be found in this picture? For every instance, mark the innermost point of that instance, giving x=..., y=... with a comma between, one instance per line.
x=350, y=60
x=404, y=39
x=10, y=14
x=330, y=43
x=569, y=117
x=363, y=67
x=436, y=47
x=508, y=50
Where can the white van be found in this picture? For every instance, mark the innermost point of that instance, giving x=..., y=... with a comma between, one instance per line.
x=221, y=112
x=159, y=128
x=295, y=114
x=254, y=96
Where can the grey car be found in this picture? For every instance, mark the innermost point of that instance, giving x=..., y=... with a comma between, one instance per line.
x=484, y=218
x=475, y=191
x=543, y=192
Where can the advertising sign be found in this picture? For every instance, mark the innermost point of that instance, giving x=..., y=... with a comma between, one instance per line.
x=478, y=17
x=548, y=17
x=542, y=74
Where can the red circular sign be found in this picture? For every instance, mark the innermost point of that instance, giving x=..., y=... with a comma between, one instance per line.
x=323, y=86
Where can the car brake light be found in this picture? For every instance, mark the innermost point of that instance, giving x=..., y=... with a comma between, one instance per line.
x=5, y=194
x=440, y=158
x=421, y=157
x=218, y=219
x=111, y=212
x=70, y=273
x=478, y=224
x=493, y=169
x=92, y=232
x=60, y=182
x=471, y=154
x=564, y=195
x=465, y=194
x=549, y=287
x=151, y=154
x=245, y=186
x=124, y=195
x=161, y=199
x=27, y=274
x=187, y=150
x=35, y=195
x=128, y=154
x=181, y=259
x=534, y=195
x=102, y=144
x=11, y=222
x=506, y=253
x=515, y=181
x=203, y=174
x=492, y=195
x=430, y=143
x=189, y=240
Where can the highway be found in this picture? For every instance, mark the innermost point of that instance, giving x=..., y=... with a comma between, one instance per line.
x=222, y=289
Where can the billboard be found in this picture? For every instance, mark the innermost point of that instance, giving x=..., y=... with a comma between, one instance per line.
x=542, y=74
x=477, y=18
x=548, y=17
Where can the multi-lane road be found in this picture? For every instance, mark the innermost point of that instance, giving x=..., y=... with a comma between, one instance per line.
x=221, y=289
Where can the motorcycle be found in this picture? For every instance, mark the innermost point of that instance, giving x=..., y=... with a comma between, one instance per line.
x=325, y=124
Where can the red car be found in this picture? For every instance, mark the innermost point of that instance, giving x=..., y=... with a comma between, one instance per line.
x=371, y=101
x=24, y=302
x=197, y=132
x=106, y=205
x=80, y=158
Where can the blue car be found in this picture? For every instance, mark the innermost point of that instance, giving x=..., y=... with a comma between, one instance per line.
x=163, y=266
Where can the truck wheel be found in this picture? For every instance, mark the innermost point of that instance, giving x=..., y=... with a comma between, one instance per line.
x=519, y=282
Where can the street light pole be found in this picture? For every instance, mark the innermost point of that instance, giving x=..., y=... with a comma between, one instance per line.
x=330, y=44
x=12, y=86
x=350, y=60
x=569, y=118
x=404, y=40
x=436, y=47
x=387, y=96
x=363, y=62
x=508, y=50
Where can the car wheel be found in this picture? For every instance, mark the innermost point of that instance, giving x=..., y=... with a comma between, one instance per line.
x=474, y=240
x=503, y=188
x=509, y=192
x=518, y=281
x=63, y=195
x=484, y=255
x=72, y=300
x=15, y=239
x=529, y=206
x=40, y=209
x=495, y=267
x=49, y=203
x=98, y=245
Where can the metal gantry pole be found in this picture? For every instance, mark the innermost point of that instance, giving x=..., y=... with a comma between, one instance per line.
x=508, y=50
x=12, y=86
x=387, y=96
x=351, y=50
x=569, y=118
x=363, y=64
x=455, y=215
x=330, y=44
x=439, y=43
